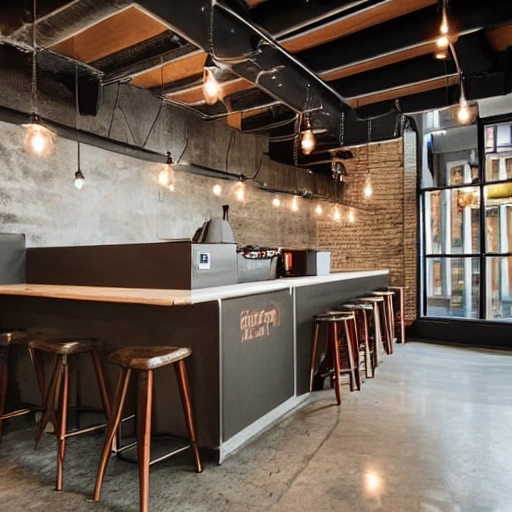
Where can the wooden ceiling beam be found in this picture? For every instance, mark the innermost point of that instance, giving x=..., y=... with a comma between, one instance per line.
x=111, y=35
x=500, y=38
x=400, y=92
x=360, y=20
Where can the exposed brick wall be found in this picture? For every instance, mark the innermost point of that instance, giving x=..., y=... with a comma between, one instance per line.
x=383, y=235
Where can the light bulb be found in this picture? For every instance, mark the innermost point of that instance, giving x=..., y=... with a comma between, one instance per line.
x=318, y=210
x=351, y=216
x=171, y=187
x=38, y=140
x=337, y=214
x=163, y=177
x=79, y=181
x=295, y=205
x=211, y=88
x=441, y=55
x=463, y=113
x=442, y=42
x=276, y=202
x=217, y=189
x=368, y=189
x=444, y=24
x=308, y=141
x=240, y=191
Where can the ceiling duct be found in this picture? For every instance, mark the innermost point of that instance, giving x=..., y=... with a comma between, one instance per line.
x=248, y=51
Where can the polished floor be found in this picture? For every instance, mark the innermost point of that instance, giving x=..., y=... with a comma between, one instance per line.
x=431, y=433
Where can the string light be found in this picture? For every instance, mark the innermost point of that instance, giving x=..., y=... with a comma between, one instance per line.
x=276, y=202
x=295, y=204
x=351, y=216
x=211, y=88
x=318, y=209
x=337, y=214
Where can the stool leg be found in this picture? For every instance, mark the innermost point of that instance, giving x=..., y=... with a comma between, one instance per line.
x=51, y=399
x=313, y=356
x=379, y=345
x=368, y=366
x=333, y=341
x=4, y=368
x=101, y=383
x=37, y=364
x=144, y=404
x=113, y=424
x=389, y=317
x=350, y=344
x=63, y=424
x=181, y=375
x=402, y=316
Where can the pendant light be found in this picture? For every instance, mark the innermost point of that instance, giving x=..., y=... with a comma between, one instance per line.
x=39, y=140
x=79, y=180
x=211, y=88
x=166, y=175
x=308, y=141
x=466, y=113
x=276, y=202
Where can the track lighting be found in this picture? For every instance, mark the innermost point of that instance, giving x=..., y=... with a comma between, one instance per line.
x=211, y=88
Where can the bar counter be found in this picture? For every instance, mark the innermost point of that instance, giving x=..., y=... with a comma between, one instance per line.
x=251, y=343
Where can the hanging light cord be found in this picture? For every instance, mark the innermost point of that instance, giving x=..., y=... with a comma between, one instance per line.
x=77, y=119
x=368, y=147
x=34, y=62
x=459, y=71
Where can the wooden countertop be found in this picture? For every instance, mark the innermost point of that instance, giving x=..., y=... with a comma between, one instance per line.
x=158, y=297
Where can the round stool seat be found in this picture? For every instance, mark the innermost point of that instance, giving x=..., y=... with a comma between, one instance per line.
x=359, y=306
x=148, y=358
x=65, y=346
x=333, y=316
x=372, y=299
x=383, y=293
x=13, y=337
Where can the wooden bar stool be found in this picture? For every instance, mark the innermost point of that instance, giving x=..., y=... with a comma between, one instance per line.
x=361, y=311
x=376, y=318
x=389, y=316
x=400, y=310
x=146, y=360
x=337, y=324
x=57, y=394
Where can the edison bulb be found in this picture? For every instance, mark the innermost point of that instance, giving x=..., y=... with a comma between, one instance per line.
x=163, y=177
x=318, y=210
x=217, y=189
x=79, y=180
x=276, y=202
x=295, y=205
x=337, y=214
x=308, y=142
x=351, y=216
x=211, y=88
x=442, y=42
x=368, y=190
x=463, y=114
x=38, y=140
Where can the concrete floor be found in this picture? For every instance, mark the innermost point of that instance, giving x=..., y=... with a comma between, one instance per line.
x=431, y=433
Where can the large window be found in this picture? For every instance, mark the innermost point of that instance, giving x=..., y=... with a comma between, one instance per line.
x=465, y=274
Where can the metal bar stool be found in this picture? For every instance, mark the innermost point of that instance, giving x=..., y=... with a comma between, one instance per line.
x=146, y=360
x=7, y=339
x=381, y=344
x=389, y=316
x=337, y=324
x=400, y=315
x=57, y=394
x=361, y=311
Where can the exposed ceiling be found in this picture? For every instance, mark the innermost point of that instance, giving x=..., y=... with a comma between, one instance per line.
x=343, y=62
